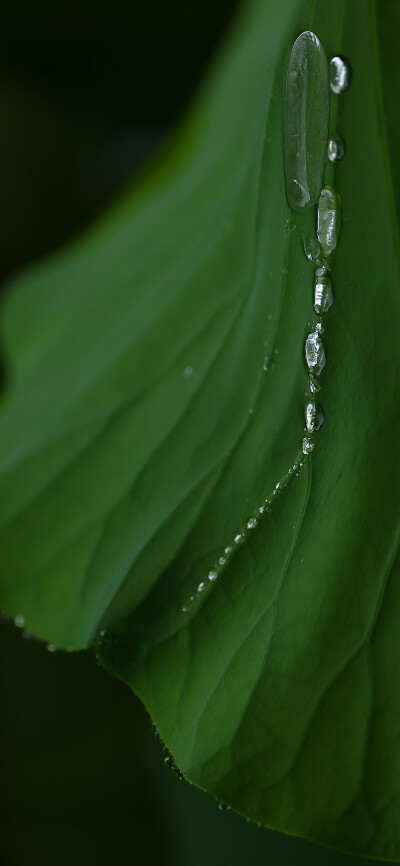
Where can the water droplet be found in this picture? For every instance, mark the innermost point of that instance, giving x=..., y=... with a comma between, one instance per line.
x=314, y=417
x=261, y=509
x=201, y=586
x=312, y=249
x=19, y=621
x=315, y=353
x=340, y=74
x=307, y=445
x=223, y=808
x=238, y=538
x=187, y=372
x=289, y=225
x=336, y=148
x=252, y=523
x=306, y=120
x=228, y=551
x=51, y=648
x=213, y=574
x=329, y=212
x=268, y=364
x=323, y=295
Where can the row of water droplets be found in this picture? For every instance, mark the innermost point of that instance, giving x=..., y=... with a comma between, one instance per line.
x=240, y=536
x=319, y=250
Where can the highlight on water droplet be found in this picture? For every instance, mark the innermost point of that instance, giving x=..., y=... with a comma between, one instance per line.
x=314, y=417
x=323, y=294
x=315, y=353
x=336, y=148
x=19, y=621
x=213, y=574
x=340, y=74
x=312, y=249
x=307, y=445
x=328, y=219
x=306, y=121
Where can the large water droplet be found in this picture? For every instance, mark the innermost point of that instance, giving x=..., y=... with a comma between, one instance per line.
x=323, y=295
x=306, y=121
x=315, y=353
x=312, y=249
x=329, y=212
x=340, y=74
x=314, y=417
x=336, y=149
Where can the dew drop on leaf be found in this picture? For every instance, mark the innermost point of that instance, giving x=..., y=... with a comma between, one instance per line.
x=315, y=353
x=323, y=295
x=336, y=148
x=314, y=417
x=307, y=445
x=306, y=121
x=328, y=219
x=340, y=74
x=312, y=249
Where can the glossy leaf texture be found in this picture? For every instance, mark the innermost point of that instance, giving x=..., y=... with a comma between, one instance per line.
x=156, y=398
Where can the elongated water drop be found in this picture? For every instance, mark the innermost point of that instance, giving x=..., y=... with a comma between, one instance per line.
x=306, y=121
x=314, y=417
x=323, y=295
x=315, y=353
x=329, y=213
x=340, y=74
x=336, y=149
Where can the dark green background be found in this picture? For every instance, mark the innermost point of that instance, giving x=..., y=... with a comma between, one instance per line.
x=83, y=103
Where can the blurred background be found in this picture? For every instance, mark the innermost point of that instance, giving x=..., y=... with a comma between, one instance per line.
x=87, y=92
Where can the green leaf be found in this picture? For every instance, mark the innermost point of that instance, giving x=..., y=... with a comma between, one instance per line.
x=140, y=433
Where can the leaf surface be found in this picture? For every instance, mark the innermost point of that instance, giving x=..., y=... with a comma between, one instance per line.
x=155, y=401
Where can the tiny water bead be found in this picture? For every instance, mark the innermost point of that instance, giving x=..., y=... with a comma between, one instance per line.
x=315, y=353
x=323, y=295
x=252, y=523
x=19, y=621
x=213, y=574
x=187, y=372
x=340, y=74
x=306, y=121
x=312, y=249
x=336, y=148
x=328, y=219
x=314, y=417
